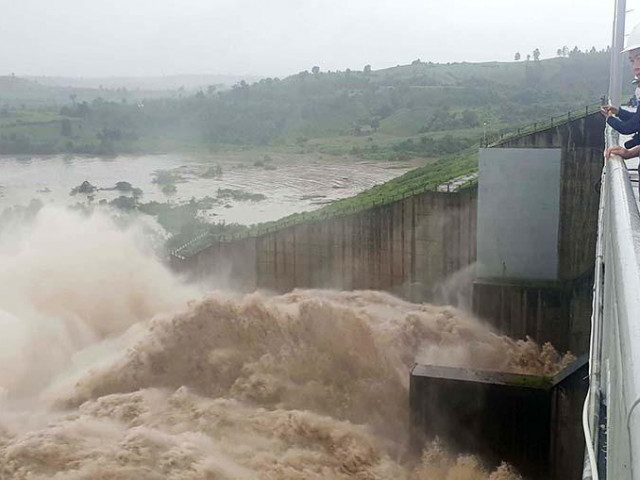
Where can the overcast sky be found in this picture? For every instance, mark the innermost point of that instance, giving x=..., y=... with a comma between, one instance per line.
x=280, y=37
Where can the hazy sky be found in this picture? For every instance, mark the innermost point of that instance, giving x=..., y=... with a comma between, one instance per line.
x=280, y=37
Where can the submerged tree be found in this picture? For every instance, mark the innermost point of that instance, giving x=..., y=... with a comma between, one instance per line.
x=65, y=129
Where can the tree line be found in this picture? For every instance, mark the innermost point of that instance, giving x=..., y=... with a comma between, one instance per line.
x=417, y=100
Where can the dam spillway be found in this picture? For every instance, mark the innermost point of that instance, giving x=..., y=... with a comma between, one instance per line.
x=418, y=244
x=526, y=237
x=533, y=422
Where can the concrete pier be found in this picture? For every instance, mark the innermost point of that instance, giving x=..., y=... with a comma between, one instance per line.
x=543, y=291
x=532, y=422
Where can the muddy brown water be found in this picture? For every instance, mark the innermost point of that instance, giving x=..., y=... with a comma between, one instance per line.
x=111, y=368
x=291, y=183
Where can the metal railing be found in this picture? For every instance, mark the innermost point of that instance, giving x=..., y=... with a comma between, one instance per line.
x=612, y=409
x=554, y=121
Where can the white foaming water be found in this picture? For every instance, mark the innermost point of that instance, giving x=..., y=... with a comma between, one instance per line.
x=66, y=283
x=108, y=374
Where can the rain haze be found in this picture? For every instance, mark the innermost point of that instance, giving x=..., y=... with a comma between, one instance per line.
x=79, y=38
x=233, y=234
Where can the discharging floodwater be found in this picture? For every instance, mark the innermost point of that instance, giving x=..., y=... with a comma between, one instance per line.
x=290, y=183
x=112, y=368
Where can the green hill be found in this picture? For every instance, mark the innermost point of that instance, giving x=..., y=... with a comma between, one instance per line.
x=422, y=109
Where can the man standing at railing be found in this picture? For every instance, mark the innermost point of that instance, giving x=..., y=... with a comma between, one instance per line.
x=623, y=121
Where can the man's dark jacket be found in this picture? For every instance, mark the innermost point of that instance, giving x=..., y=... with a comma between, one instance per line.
x=627, y=123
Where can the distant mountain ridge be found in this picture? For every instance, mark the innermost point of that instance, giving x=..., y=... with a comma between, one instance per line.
x=168, y=82
x=417, y=110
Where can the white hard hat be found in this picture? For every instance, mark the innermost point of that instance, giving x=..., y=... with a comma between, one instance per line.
x=633, y=40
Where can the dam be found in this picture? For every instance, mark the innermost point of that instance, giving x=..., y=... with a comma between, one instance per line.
x=542, y=245
x=474, y=318
x=412, y=246
x=522, y=247
x=524, y=237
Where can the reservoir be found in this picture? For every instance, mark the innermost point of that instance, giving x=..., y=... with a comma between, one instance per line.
x=289, y=183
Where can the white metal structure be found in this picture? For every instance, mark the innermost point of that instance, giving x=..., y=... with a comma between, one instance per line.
x=612, y=408
x=611, y=416
x=617, y=44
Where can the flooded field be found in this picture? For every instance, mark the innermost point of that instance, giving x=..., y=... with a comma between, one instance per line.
x=267, y=187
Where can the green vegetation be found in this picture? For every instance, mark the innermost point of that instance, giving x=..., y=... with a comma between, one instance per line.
x=18, y=214
x=421, y=109
x=183, y=221
x=239, y=195
x=436, y=112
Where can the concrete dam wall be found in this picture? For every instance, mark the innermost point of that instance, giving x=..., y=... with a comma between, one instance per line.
x=555, y=308
x=407, y=247
x=414, y=246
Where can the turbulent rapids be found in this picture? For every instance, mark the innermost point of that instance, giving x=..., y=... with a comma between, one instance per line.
x=113, y=369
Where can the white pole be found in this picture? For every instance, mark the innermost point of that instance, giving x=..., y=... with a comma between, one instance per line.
x=617, y=44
